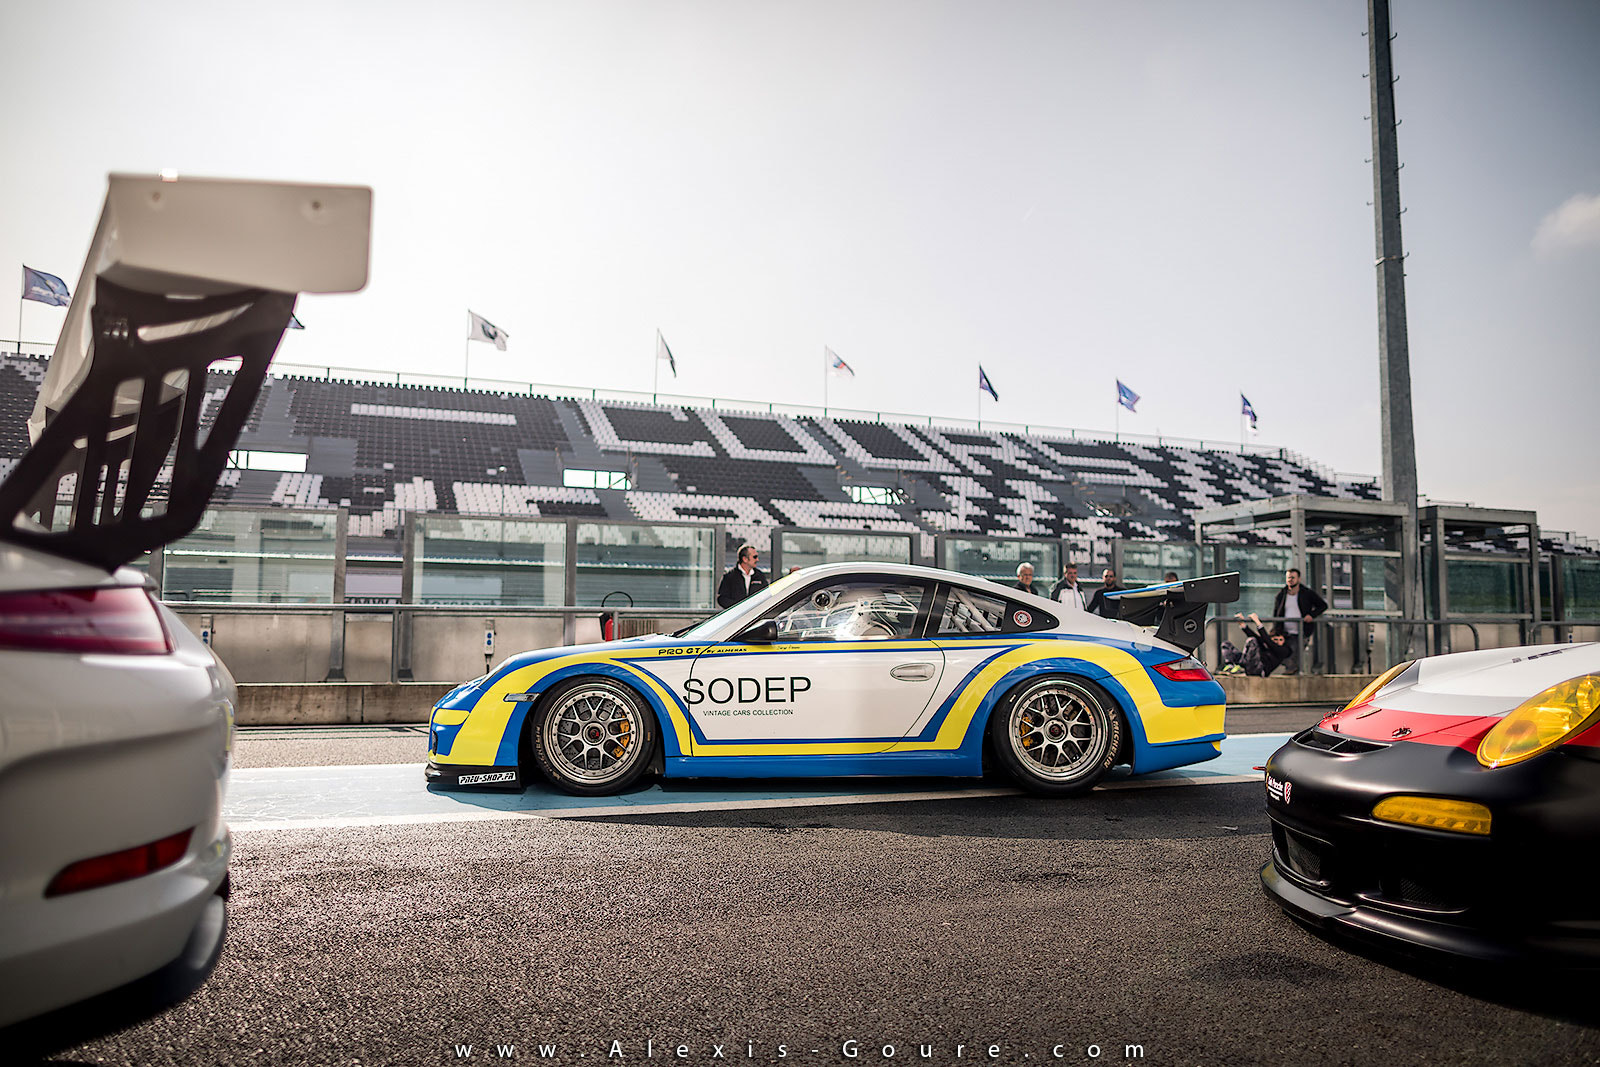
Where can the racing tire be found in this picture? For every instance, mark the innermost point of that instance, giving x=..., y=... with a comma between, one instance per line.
x=593, y=737
x=1057, y=735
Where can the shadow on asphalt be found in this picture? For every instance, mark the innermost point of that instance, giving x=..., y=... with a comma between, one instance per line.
x=1567, y=996
x=1118, y=815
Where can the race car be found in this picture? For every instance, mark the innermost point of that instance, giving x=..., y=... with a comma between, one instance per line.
x=852, y=669
x=116, y=726
x=1453, y=807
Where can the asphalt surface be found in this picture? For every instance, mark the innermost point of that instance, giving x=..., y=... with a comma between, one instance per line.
x=1058, y=931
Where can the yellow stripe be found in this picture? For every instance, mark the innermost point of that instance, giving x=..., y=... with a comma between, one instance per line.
x=479, y=739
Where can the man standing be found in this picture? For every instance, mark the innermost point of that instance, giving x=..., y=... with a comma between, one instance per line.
x=1025, y=579
x=1069, y=592
x=1098, y=603
x=741, y=579
x=1297, y=604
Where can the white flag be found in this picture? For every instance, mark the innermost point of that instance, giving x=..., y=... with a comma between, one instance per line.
x=836, y=366
x=663, y=352
x=484, y=330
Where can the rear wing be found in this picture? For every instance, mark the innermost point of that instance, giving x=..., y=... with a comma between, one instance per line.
x=1177, y=609
x=128, y=439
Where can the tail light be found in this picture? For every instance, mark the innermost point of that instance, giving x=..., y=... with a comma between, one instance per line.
x=122, y=619
x=1187, y=669
x=122, y=866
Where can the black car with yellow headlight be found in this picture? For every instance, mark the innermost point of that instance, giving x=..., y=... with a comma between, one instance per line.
x=1452, y=807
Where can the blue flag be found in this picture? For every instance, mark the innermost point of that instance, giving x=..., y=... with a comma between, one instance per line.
x=45, y=288
x=1125, y=396
x=1246, y=409
x=983, y=383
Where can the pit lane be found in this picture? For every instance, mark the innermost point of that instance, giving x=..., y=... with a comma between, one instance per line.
x=1122, y=926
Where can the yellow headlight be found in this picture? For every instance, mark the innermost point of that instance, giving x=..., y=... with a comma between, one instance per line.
x=1378, y=683
x=1543, y=722
x=1434, y=813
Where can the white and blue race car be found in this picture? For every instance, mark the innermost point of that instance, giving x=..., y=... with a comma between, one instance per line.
x=853, y=669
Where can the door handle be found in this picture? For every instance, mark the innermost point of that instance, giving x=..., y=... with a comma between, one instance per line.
x=913, y=672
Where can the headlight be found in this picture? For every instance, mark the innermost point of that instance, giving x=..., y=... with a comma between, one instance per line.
x=1378, y=683
x=1543, y=722
x=1434, y=813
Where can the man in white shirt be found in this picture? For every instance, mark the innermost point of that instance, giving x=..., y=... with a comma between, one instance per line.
x=1068, y=591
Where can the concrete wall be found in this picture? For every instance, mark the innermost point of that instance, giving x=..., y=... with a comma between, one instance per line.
x=1293, y=689
x=334, y=704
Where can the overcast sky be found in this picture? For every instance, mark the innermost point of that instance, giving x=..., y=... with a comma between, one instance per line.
x=1173, y=193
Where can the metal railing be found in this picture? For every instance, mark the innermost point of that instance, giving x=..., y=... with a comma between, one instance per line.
x=1326, y=651
x=280, y=642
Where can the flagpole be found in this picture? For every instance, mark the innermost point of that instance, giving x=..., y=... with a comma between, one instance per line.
x=826, y=370
x=655, y=382
x=466, y=361
x=19, y=309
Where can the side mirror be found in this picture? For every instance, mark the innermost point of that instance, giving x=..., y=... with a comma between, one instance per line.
x=762, y=633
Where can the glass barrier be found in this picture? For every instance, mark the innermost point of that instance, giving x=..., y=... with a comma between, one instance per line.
x=997, y=559
x=489, y=561
x=798, y=549
x=1260, y=570
x=269, y=556
x=1580, y=580
x=1149, y=562
x=1485, y=587
x=639, y=565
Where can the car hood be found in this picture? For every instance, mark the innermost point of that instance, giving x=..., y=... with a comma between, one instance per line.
x=1460, y=697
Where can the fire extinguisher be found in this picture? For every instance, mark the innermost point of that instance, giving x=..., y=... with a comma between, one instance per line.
x=608, y=621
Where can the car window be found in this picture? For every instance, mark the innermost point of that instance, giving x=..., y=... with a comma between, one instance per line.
x=966, y=612
x=853, y=610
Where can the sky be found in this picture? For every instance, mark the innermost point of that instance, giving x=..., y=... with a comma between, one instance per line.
x=1175, y=194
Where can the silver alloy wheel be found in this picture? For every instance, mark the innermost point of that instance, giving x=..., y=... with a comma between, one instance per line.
x=1058, y=731
x=594, y=735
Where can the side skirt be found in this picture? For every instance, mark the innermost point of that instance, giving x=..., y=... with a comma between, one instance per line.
x=931, y=764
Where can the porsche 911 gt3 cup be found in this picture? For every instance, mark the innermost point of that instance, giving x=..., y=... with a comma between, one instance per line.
x=850, y=669
x=1453, y=807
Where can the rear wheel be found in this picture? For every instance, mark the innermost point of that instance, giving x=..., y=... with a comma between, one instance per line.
x=593, y=737
x=1057, y=735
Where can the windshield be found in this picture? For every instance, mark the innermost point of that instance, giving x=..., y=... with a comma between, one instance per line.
x=703, y=631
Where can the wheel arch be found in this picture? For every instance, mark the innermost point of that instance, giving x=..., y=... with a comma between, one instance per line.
x=524, y=718
x=1075, y=670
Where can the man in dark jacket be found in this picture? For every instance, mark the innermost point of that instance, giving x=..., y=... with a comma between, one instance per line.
x=1025, y=579
x=1298, y=604
x=741, y=579
x=1098, y=603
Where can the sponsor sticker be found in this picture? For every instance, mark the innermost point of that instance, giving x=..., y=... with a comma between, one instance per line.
x=1276, y=790
x=1022, y=618
x=482, y=779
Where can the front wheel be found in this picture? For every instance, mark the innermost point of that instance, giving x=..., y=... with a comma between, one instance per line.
x=1057, y=736
x=593, y=737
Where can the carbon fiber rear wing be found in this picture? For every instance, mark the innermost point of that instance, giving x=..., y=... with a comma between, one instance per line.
x=1177, y=609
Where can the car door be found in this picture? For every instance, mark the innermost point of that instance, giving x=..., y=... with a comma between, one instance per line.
x=847, y=674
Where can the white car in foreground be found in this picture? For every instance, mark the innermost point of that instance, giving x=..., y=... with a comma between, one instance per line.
x=116, y=723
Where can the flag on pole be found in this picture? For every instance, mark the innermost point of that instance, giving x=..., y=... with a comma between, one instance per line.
x=1126, y=397
x=484, y=330
x=983, y=383
x=837, y=365
x=294, y=322
x=663, y=352
x=1247, y=410
x=45, y=288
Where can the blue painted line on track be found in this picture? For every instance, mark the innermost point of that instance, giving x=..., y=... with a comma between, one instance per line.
x=262, y=797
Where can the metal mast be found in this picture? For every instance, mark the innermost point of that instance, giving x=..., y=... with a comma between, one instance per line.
x=1394, y=359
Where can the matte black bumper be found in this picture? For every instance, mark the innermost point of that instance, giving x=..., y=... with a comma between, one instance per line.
x=457, y=776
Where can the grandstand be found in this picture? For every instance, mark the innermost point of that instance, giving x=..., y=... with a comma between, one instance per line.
x=383, y=450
